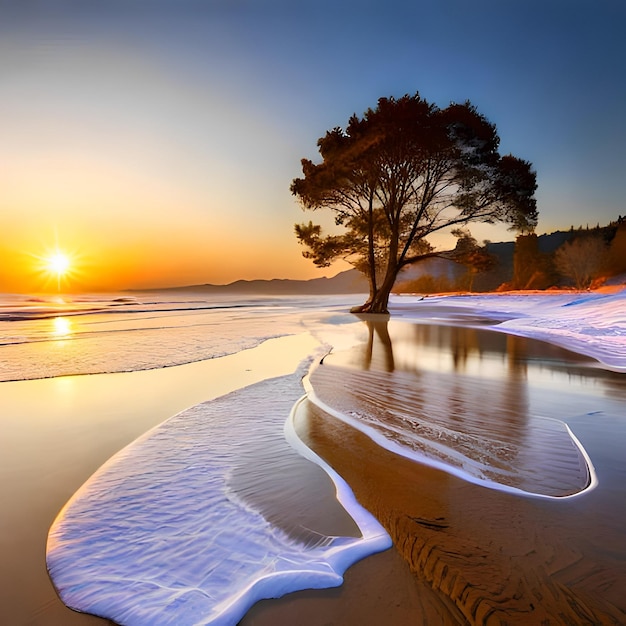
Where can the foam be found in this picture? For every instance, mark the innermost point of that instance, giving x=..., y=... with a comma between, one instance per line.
x=159, y=534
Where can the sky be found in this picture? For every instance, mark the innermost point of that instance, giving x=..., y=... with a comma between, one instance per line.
x=155, y=141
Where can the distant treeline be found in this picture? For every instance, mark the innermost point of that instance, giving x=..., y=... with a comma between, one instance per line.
x=579, y=257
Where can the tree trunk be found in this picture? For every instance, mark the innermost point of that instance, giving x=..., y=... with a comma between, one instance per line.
x=377, y=303
x=380, y=301
x=371, y=261
x=371, y=254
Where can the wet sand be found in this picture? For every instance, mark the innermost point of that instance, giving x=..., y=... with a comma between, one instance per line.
x=377, y=590
x=484, y=556
x=477, y=555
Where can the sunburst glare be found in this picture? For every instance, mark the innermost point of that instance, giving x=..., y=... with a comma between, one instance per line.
x=57, y=265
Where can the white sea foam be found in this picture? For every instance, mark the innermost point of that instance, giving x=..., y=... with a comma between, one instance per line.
x=160, y=534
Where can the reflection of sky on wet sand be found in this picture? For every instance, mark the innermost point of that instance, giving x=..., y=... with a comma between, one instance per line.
x=461, y=397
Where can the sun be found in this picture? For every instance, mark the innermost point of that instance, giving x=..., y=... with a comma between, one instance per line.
x=57, y=263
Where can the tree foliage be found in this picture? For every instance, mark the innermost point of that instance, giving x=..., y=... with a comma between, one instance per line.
x=474, y=257
x=582, y=259
x=532, y=269
x=403, y=171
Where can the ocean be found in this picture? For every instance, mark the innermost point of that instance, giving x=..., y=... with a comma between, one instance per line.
x=48, y=336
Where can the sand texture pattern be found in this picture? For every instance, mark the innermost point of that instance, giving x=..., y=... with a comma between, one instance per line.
x=497, y=558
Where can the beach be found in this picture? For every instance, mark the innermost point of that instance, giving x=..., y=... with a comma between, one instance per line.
x=312, y=314
x=485, y=557
x=466, y=548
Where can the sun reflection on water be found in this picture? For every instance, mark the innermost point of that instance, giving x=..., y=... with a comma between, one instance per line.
x=61, y=327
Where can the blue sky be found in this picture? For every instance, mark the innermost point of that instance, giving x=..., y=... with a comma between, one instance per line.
x=175, y=128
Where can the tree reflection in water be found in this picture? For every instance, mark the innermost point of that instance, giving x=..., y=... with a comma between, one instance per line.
x=439, y=395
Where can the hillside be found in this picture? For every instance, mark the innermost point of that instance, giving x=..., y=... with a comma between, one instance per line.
x=447, y=275
x=350, y=281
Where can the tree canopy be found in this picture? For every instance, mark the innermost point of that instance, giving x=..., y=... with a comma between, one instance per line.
x=403, y=171
x=582, y=259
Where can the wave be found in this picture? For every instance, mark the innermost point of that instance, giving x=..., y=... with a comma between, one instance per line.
x=140, y=337
x=21, y=313
x=15, y=308
x=166, y=532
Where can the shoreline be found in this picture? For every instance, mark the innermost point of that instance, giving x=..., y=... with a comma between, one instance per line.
x=423, y=575
x=476, y=555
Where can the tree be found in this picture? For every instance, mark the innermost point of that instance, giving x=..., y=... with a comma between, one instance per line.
x=532, y=269
x=617, y=252
x=403, y=171
x=581, y=259
x=475, y=257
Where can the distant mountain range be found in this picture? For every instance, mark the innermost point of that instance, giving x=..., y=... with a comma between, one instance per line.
x=350, y=281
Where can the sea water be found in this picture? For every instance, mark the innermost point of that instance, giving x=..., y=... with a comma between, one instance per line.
x=420, y=391
x=47, y=336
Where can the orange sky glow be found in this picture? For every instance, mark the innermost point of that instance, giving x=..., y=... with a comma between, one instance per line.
x=155, y=146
